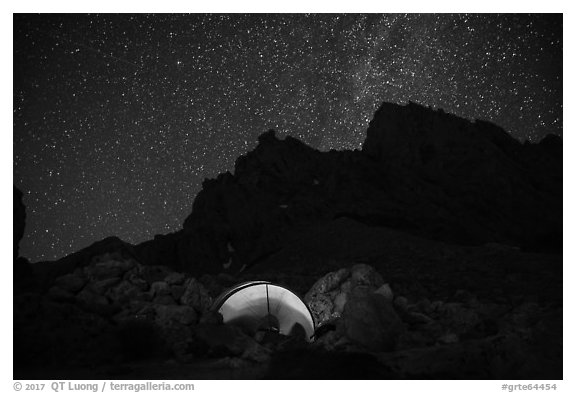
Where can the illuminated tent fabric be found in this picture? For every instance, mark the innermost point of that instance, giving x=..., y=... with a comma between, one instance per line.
x=253, y=304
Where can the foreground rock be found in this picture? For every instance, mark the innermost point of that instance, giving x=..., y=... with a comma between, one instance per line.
x=158, y=305
x=461, y=337
x=370, y=320
x=133, y=313
x=329, y=295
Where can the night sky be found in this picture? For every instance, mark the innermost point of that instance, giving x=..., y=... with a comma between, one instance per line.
x=119, y=118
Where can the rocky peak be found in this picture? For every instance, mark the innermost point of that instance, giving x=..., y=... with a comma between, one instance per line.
x=503, y=185
x=423, y=171
x=432, y=173
x=417, y=137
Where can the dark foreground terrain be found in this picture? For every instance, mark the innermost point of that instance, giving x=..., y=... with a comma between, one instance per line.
x=435, y=253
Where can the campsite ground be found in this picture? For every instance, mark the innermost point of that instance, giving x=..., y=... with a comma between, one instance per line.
x=519, y=293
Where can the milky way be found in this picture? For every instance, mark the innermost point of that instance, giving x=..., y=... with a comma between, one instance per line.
x=119, y=118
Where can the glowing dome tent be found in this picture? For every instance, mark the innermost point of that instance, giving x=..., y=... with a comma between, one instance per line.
x=257, y=305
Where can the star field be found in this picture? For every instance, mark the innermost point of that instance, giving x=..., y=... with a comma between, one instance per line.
x=119, y=118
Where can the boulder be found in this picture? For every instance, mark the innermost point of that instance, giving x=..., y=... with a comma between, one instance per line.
x=448, y=338
x=177, y=291
x=416, y=318
x=370, y=321
x=363, y=274
x=71, y=282
x=100, y=286
x=164, y=299
x=327, y=283
x=340, y=301
x=196, y=296
x=346, y=286
x=321, y=308
x=386, y=291
x=94, y=302
x=134, y=276
x=108, y=266
x=154, y=273
x=224, y=340
x=175, y=278
x=212, y=317
x=124, y=292
x=460, y=319
x=166, y=314
x=213, y=285
x=257, y=353
x=160, y=288
x=424, y=306
x=401, y=303
x=436, y=306
x=136, y=310
x=328, y=296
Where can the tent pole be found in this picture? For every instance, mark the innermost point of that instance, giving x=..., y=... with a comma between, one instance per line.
x=268, y=304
